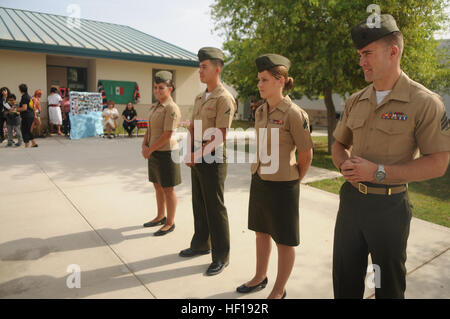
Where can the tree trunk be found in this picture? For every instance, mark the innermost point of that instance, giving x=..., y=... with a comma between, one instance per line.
x=331, y=116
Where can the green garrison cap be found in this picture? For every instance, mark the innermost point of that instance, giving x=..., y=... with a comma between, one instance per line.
x=364, y=34
x=163, y=76
x=209, y=53
x=268, y=61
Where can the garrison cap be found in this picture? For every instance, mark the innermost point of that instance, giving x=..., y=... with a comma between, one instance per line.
x=364, y=34
x=163, y=76
x=268, y=61
x=209, y=53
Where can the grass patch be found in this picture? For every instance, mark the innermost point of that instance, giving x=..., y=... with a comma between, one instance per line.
x=321, y=158
x=429, y=198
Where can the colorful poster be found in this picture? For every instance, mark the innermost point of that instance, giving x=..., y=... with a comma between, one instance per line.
x=85, y=114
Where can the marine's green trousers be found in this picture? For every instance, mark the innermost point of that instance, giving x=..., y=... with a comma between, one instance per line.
x=375, y=224
x=211, y=230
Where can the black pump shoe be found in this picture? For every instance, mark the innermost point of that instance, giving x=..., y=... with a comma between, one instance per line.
x=164, y=232
x=216, y=268
x=243, y=289
x=159, y=222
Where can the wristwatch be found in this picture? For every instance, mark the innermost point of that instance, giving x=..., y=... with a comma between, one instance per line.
x=380, y=174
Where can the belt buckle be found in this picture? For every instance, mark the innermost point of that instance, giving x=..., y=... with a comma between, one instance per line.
x=362, y=188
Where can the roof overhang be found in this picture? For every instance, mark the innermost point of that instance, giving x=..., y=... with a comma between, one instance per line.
x=55, y=49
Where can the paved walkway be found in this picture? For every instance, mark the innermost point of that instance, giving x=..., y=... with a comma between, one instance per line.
x=83, y=202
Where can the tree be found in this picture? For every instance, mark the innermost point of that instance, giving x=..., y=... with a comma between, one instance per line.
x=315, y=36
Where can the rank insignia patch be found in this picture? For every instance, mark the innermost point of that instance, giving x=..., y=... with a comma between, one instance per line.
x=445, y=123
x=306, y=125
x=399, y=116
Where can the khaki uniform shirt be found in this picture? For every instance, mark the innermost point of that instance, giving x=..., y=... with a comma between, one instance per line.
x=215, y=112
x=163, y=117
x=410, y=119
x=293, y=126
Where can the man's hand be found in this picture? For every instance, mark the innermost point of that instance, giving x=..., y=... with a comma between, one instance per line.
x=357, y=169
x=189, y=159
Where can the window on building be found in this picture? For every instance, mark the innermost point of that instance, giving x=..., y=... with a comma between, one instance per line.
x=77, y=79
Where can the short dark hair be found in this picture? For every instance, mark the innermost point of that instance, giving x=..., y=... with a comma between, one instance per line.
x=217, y=62
x=23, y=88
x=12, y=96
x=53, y=89
x=395, y=38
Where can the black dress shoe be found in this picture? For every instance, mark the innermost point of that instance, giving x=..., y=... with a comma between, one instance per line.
x=163, y=232
x=243, y=289
x=216, y=268
x=284, y=295
x=159, y=222
x=189, y=252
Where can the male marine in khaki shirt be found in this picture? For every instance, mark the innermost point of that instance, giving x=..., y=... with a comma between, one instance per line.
x=386, y=124
x=215, y=109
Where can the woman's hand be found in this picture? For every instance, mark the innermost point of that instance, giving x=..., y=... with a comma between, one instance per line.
x=146, y=151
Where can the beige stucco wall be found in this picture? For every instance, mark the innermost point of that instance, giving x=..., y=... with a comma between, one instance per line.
x=31, y=68
x=19, y=67
x=187, y=82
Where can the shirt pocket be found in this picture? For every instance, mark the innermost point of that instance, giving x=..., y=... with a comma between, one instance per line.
x=157, y=119
x=395, y=139
x=356, y=126
x=355, y=123
x=208, y=116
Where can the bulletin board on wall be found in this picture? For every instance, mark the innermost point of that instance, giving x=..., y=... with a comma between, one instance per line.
x=85, y=114
x=121, y=92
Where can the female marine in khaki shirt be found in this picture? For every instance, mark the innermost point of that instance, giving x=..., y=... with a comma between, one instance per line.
x=161, y=149
x=274, y=190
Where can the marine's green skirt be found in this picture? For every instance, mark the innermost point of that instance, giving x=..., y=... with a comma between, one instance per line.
x=273, y=209
x=163, y=170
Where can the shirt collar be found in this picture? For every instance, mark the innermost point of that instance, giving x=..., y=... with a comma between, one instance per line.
x=216, y=92
x=399, y=92
x=283, y=106
x=166, y=102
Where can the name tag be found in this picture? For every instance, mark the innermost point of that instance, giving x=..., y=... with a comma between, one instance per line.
x=399, y=116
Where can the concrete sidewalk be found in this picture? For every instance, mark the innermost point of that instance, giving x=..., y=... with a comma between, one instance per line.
x=84, y=202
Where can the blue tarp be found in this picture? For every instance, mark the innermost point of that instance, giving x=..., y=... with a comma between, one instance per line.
x=85, y=114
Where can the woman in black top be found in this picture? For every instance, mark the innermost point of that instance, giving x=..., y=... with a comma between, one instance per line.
x=4, y=94
x=27, y=114
x=129, y=116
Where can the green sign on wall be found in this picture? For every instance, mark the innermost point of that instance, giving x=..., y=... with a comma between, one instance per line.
x=121, y=92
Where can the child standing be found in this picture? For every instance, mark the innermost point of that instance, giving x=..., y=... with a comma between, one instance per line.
x=13, y=121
